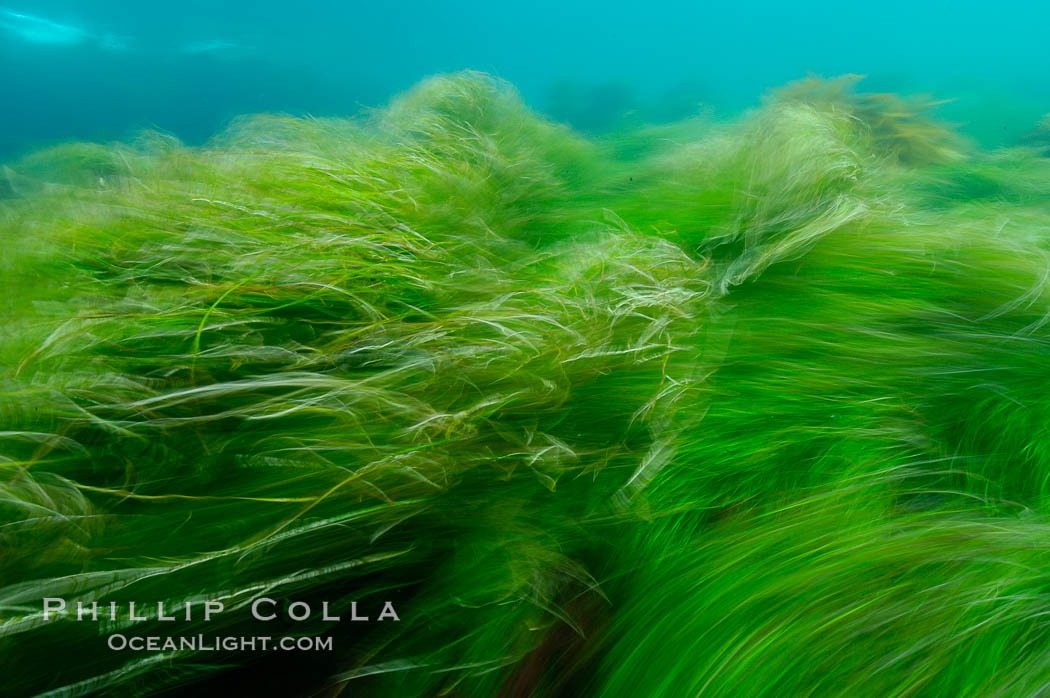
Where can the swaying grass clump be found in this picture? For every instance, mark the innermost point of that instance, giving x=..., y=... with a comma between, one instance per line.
x=753, y=408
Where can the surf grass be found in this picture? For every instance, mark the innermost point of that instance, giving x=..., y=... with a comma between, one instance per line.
x=724, y=408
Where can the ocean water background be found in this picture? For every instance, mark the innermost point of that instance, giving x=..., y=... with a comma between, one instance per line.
x=99, y=70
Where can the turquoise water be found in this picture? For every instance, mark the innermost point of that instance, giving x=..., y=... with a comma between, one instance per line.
x=100, y=70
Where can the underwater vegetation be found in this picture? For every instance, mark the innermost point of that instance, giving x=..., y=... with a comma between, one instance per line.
x=717, y=408
x=1040, y=136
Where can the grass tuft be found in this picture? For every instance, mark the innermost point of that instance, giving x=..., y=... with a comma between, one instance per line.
x=752, y=407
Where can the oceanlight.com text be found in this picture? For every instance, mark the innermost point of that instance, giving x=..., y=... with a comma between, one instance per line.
x=202, y=643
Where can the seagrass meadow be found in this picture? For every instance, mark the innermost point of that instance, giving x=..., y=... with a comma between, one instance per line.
x=745, y=407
